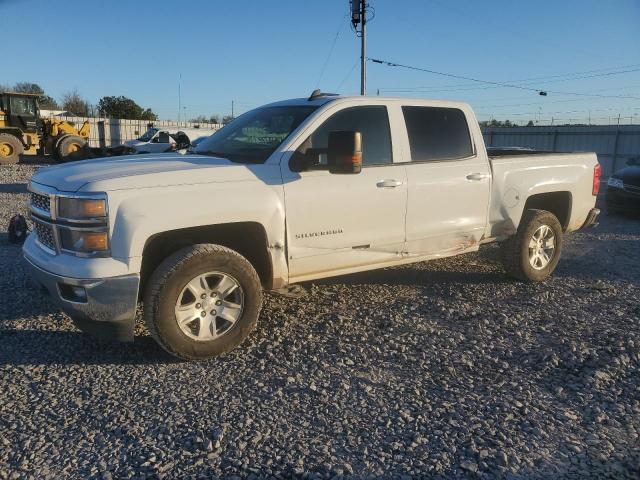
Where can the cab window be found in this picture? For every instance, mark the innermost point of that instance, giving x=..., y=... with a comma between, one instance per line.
x=371, y=121
x=437, y=133
x=23, y=106
x=161, y=137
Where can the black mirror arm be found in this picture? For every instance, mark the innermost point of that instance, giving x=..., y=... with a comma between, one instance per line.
x=309, y=160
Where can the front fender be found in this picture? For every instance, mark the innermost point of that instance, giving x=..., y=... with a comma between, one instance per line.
x=138, y=215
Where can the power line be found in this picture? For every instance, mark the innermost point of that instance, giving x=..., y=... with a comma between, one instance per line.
x=451, y=75
x=427, y=89
x=346, y=77
x=497, y=84
x=597, y=70
x=616, y=109
x=546, y=101
x=333, y=46
x=631, y=68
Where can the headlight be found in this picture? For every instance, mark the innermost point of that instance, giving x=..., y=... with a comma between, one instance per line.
x=615, y=183
x=84, y=241
x=81, y=208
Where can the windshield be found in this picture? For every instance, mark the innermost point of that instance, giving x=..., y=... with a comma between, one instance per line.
x=254, y=136
x=148, y=135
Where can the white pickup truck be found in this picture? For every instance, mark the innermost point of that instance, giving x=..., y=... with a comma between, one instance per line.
x=290, y=192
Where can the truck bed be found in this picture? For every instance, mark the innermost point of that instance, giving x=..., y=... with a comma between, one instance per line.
x=519, y=174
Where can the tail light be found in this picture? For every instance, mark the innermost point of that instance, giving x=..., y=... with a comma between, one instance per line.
x=597, y=172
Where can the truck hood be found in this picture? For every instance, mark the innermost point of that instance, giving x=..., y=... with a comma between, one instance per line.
x=146, y=171
x=629, y=175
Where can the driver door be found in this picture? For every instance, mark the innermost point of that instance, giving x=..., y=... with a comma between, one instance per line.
x=346, y=222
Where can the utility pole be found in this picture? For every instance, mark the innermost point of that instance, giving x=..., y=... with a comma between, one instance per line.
x=232, y=109
x=359, y=16
x=363, y=49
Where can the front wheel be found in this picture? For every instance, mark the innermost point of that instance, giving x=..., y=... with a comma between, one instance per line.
x=202, y=301
x=69, y=147
x=532, y=254
x=10, y=149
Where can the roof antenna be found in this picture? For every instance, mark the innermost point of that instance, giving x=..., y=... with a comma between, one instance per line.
x=315, y=94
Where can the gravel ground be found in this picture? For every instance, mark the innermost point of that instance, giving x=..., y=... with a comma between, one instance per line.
x=443, y=369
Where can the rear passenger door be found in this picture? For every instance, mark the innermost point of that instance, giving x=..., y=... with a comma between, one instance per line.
x=448, y=181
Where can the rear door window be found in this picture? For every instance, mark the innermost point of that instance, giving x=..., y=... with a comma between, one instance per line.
x=437, y=133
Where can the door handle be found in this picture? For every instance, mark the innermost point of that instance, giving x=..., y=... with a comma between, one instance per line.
x=388, y=183
x=477, y=176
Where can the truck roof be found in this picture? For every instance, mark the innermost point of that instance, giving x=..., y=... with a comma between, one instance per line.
x=327, y=98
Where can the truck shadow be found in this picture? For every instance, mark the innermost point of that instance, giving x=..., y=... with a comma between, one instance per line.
x=48, y=347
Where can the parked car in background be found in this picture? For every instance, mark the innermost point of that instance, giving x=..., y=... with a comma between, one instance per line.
x=623, y=188
x=291, y=192
x=160, y=140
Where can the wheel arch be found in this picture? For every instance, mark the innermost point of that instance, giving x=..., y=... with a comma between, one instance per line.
x=249, y=239
x=559, y=203
x=16, y=132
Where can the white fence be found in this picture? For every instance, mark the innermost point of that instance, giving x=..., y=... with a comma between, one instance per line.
x=109, y=132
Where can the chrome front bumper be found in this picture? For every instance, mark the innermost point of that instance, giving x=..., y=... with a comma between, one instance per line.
x=104, y=308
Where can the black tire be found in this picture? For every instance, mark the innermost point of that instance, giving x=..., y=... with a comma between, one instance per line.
x=69, y=147
x=10, y=149
x=515, y=250
x=168, y=281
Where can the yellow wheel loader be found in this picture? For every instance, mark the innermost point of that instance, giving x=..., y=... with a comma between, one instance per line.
x=23, y=132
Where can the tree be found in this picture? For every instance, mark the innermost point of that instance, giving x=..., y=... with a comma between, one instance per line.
x=204, y=119
x=530, y=124
x=123, y=107
x=199, y=119
x=27, y=87
x=497, y=123
x=226, y=119
x=48, y=103
x=74, y=103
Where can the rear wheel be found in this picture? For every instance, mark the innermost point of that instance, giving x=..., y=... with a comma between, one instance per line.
x=69, y=147
x=202, y=301
x=532, y=254
x=10, y=149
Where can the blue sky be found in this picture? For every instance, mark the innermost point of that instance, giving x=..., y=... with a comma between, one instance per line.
x=258, y=51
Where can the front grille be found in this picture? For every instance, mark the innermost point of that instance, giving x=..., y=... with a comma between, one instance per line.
x=632, y=189
x=44, y=234
x=41, y=202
